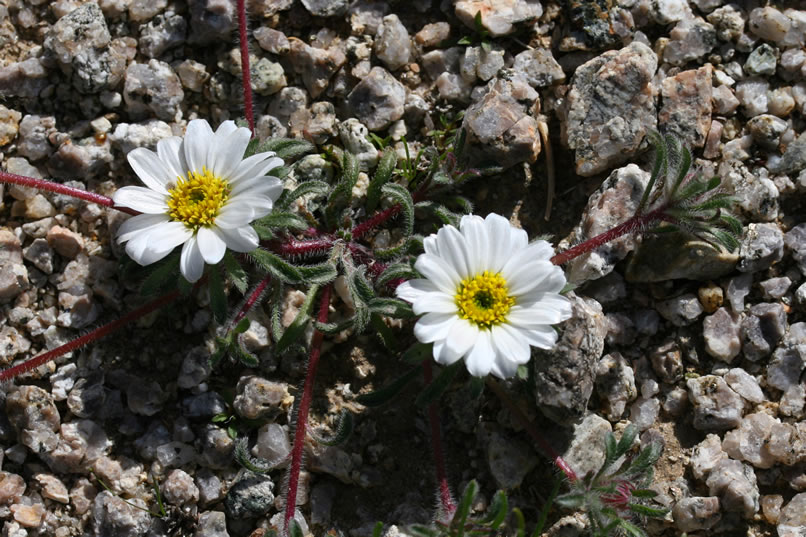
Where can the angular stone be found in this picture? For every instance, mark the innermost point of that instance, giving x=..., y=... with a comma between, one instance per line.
x=153, y=87
x=509, y=459
x=762, y=246
x=691, y=39
x=258, y=398
x=749, y=441
x=716, y=406
x=499, y=129
x=564, y=375
x=113, y=516
x=179, y=488
x=686, y=110
x=498, y=17
x=721, y=332
x=392, y=43
x=610, y=108
x=696, y=513
x=793, y=517
x=211, y=20
x=744, y=384
x=539, y=67
x=706, y=455
x=586, y=452
x=378, y=100
x=317, y=66
x=735, y=484
x=615, y=384
x=762, y=329
x=681, y=310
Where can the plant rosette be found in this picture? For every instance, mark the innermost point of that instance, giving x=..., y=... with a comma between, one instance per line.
x=199, y=192
x=487, y=295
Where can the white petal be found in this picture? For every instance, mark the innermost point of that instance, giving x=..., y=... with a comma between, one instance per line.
x=542, y=337
x=504, y=369
x=510, y=344
x=226, y=128
x=462, y=337
x=551, y=281
x=211, y=246
x=412, y=290
x=443, y=355
x=239, y=239
x=550, y=309
x=437, y=302
x=537, y=251
x=170, y=152
x=453, y=249
x=505, y=240
x=153, y=172
x=141, y=199
x=478, y=243
x=530, y=275
x=430, y=245
x=481, y=357
x=197, y=143
x=139, y=224
x=228, y=150
x=433, y=327
x=266, y=184
x=239, y=212
x=169, y=235
x=144, y=250
x=255, y=166
x=438, y=271
x=191, y=262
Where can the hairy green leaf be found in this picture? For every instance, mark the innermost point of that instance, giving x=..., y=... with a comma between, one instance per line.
x=276, y=266
x=308, y=188
x=161, y=276
x=387, y=393
x=443, y=380
x=276, y=220
x=391, y=307
x=218, y=298
x=383, y=174
x=237, y=275
x=286, y=148
x=401, y=195
x=321, y=274
x=344, y=428
x=396, y=271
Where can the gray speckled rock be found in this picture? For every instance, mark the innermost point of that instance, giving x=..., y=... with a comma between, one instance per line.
x=762, y=329
x=696, y=513
x=614, y=202
x=757, y=195
x=792, y=519
x=681, y=310
x=749, y=441
x=795, y=241
x=586, y=452
x=497, y=16
x=686, y=110
x=729, y=21
x=564, y=376
x=706, y=455
x=762, y=246
x=163, y=33
x=326, y=8
x=31, y=411
x=378, y=100
x=212, y=524
x=317, y=66
x=735, y=485
x=716, y=406
x=179, y=488
x=691, y=39
x=509, y=459
x=33, y=142
x=499, y=129
x=721, y=332
x=392, y=43
x=539, y=67
x=794, y=158
x=216, y=447
x=153, y=88
x=258, y=398
x=609, y=108
x=111, y=515
x=761, y=62
x=784, y=372
x=211, y=20
x=615, y=384
x=353, y=135
x=23, y=79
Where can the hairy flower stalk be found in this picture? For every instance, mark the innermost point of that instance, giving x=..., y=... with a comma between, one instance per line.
x=302, y=413
x=86, y=339
x=245, y=70
x=446, y=503
x=50, y=186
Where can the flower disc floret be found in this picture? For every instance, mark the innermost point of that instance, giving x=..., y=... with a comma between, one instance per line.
x=199, y=192
x=484, y=299
x=197, y=200
x=487, y=295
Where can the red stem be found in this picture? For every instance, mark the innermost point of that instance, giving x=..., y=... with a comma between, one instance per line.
x=302, y=412
x=295, y=247
x=374, y=221
x=41, y=184
x=245, y=71
x=448, y=507
x=98, y=333
x=637, y=222
x=530, y=428
x=251, y=300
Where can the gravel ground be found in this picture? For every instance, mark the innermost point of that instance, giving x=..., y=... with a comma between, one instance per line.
x=703, y=350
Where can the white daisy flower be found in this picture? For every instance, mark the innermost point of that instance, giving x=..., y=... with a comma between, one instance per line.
x=487, y=295
x=200, y=192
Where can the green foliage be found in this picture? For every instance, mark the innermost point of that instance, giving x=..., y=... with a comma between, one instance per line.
x=342, y=431
x=612, y=497
x=686, y=201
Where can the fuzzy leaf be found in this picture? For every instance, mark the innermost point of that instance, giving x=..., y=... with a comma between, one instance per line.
x=295, y=330
x=242, y=457
x=277, y=220
x=463, y=509
x=396, y=271
x=344, y=428
x=241, y=327
x=630, y=528
x=391, y=307
x=286, y=148
x=333, y=328
x=246, y=358
x=359, y=287
x=644, y=493
x=415, y=354
x=315, y=188
x=218, y=298
x=276, y=266
x=295, y=530
x=320, y=274
x=343, y=193
x=443, y=380
x=387, y=393
x=401, y=195
x=161, y=276
x=384, y=332
x=498, y=511
x=383, y=174
x=627, y=440
x=377, y=530
x=236, y=273
x=411, y=244
x=645, y=510
x=571, y=501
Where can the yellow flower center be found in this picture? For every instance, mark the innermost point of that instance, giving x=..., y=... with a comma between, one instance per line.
x=197, y=200
x=484, y=299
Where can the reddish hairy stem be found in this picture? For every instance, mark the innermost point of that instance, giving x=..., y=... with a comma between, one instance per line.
x=445, y=497
x=530, y=428
x=302, y=412
x=50, y=186
x=98, y=333
x=292, y=247
x=636, y=223
x=245, y=71
x=251, y=300
x=382, y=216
